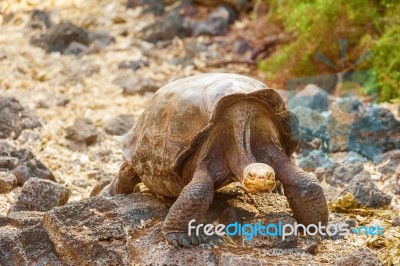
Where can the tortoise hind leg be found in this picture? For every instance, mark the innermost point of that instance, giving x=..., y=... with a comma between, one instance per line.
x=123, y=183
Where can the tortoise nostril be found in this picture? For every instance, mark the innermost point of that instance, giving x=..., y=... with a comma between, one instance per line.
x=260, y=177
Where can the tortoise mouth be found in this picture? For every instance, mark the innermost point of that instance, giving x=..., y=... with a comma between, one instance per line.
x=258, y=186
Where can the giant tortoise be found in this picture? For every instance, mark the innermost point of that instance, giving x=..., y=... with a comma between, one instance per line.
x=203, y=132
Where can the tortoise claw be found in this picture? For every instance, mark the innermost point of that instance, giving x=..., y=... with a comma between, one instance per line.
x=182, y=239
x=195, y=241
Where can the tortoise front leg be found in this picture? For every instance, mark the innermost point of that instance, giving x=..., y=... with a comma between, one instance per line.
x=304, y=193
x=123, y=183
x=192, y=203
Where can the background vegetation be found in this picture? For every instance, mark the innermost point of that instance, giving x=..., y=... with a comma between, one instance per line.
x=317, y=25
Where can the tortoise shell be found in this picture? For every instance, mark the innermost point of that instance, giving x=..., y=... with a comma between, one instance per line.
x=183, y=112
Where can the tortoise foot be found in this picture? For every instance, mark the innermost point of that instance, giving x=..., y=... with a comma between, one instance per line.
x=182, y=239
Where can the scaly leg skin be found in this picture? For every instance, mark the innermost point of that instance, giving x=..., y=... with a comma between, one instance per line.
x=192, y=203
x=123, y=183
x=305, y=195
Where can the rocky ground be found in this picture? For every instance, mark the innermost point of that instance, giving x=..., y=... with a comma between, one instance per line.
x=77, y=74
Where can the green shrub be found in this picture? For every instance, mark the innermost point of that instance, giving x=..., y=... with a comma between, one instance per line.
x=317, y=25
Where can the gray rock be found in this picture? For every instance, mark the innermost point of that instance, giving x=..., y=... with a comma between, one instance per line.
x=119, y=125
x=369, y=130
x=231, y=259
x=240, y=47
x=25, y=242
x=348, y=173
x=133, y=64
x=81, y=134
x=331, y=192
x=389, y=162
x=391, y=155
x=348, y=158
x=315, y=159
x=21, y=164
x=306, y=146
x=281, y=257
x=43, y=104
x=63, y=100
x=217, y=22
x=14, y=118
x=311, y=97
x=183, y=61
x=338, y=135
x=309, y=118
x=32, y=168
x=39, y=18
x=326, y=82
x=60, y=36
x=8, y=181
x=362, y=256
x=23, y=155
x=75, y=48
x=166, y=28
x=342, y=174
x=193, y=48
x=100, y=39
x=5, y=148
x=312, y=126
x=164, y=254
x=40, y=195
x=396, y=222
x=132, y=84
x=155, y=7
x=10, y=248
x=24, y=218
x=366, y=192
x=103, y=223
x=8, y=162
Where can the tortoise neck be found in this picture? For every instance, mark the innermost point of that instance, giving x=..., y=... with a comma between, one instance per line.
x=237, y=148
x=281, y=163
x=237, y=144
x=227, y=148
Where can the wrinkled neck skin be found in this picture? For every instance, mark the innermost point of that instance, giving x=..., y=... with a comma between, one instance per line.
x=228, y=148
x=238, y=140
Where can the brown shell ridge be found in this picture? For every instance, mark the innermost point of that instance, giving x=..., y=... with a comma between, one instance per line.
x=288, y=127
x=124, y=142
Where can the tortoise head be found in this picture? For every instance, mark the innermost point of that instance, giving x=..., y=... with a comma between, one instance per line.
x=258, y=177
